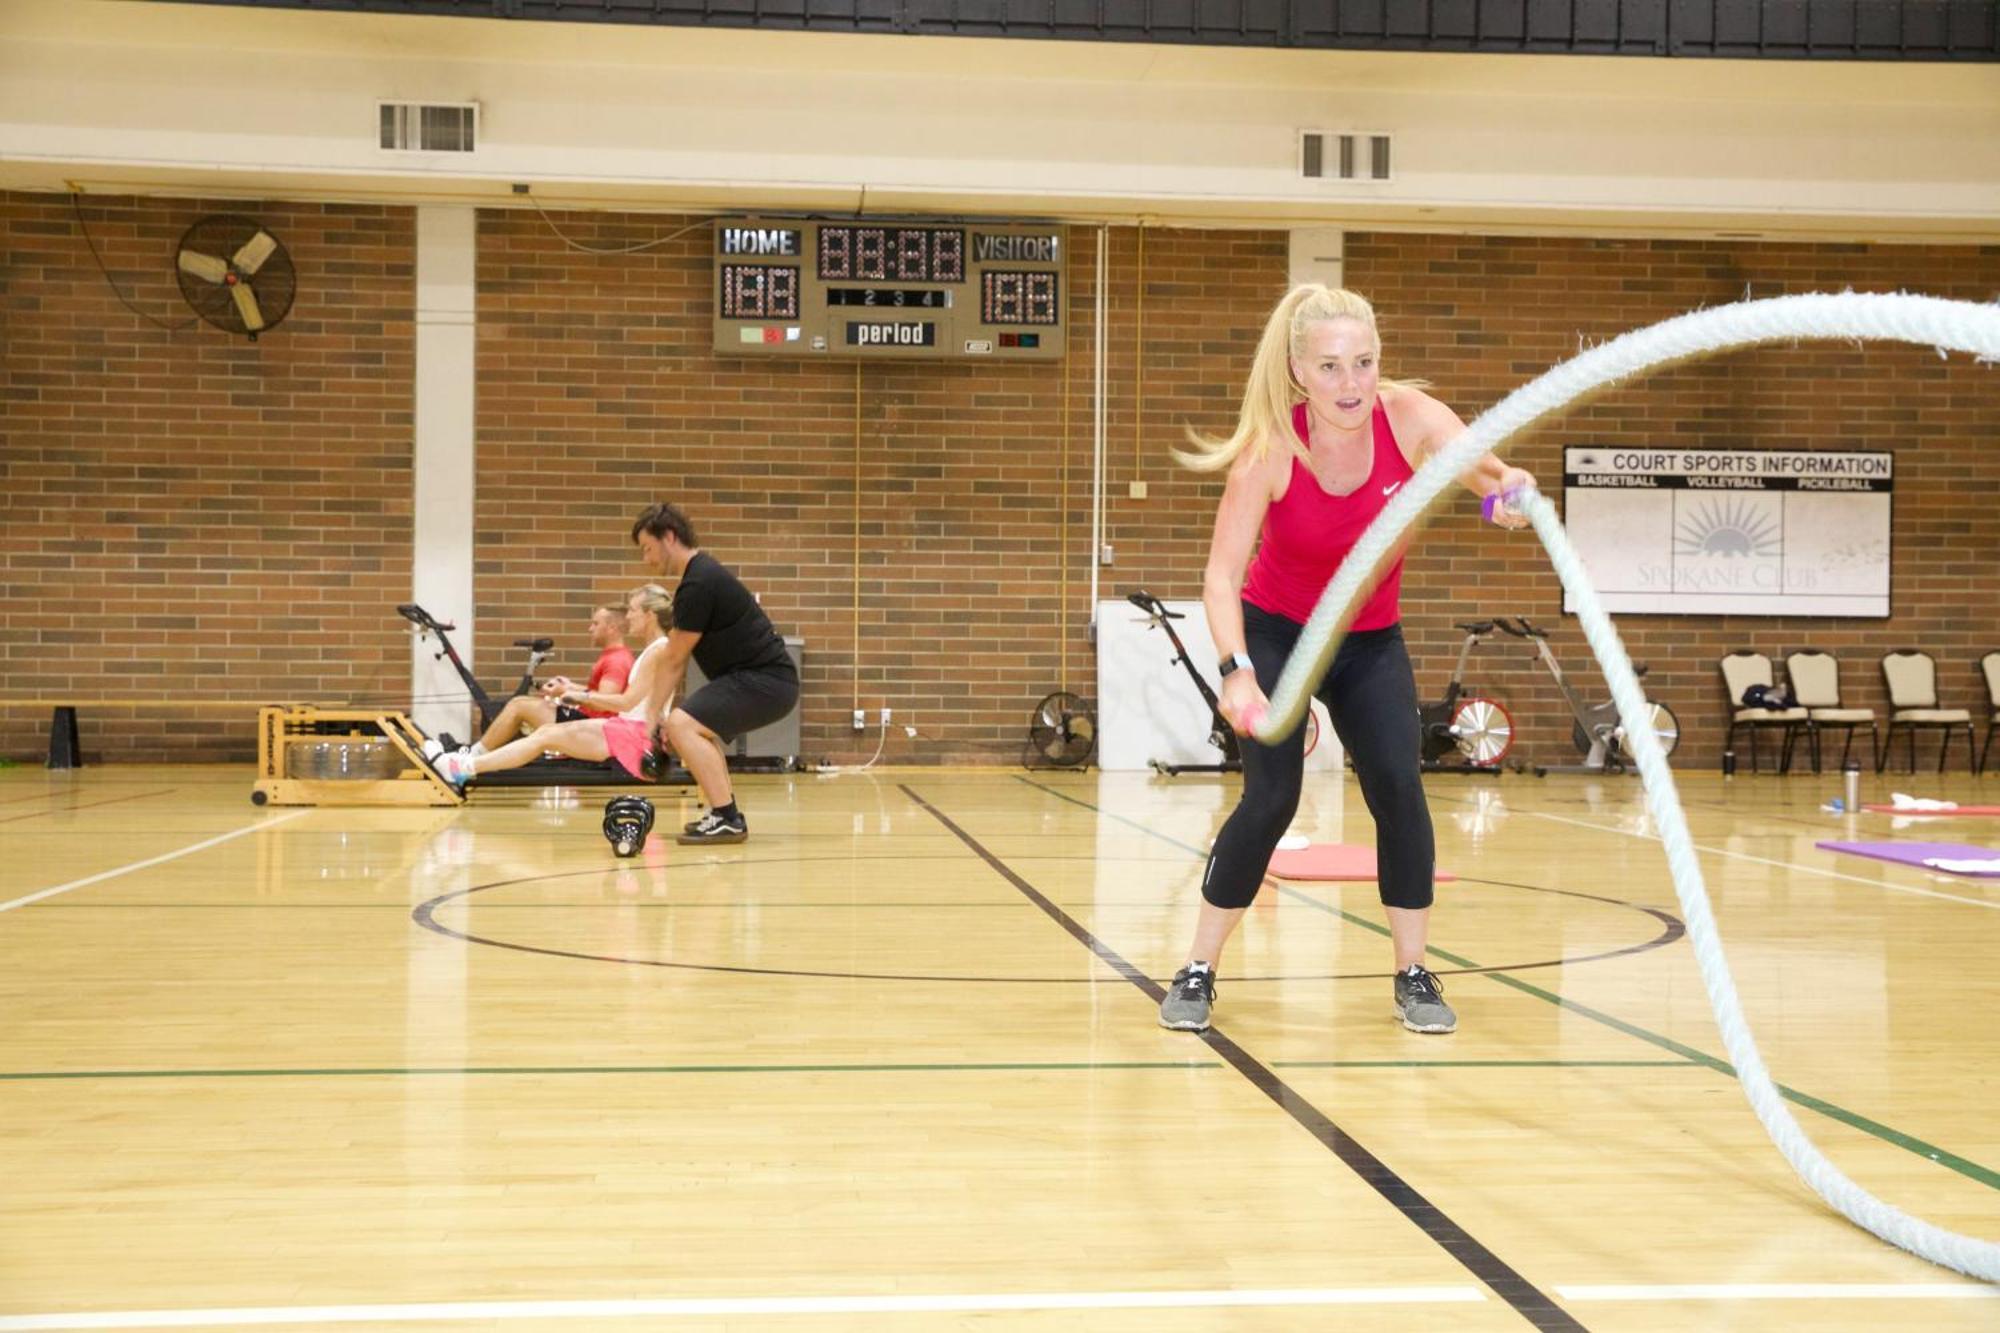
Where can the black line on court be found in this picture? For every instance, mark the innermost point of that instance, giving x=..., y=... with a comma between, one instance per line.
x=425, y=915
x=1526, y=1300
x=1853, y=1119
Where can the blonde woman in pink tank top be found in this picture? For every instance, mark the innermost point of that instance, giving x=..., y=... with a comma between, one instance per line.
x=1322, y=442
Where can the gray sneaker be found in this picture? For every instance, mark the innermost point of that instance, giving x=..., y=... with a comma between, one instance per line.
x=1420, y=1002
x=713, y=828
x=1186, y=1007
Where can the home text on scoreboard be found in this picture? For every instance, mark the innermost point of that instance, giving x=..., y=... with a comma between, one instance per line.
x=899, y=289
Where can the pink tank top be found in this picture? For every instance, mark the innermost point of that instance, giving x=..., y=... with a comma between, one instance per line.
x=1309, y=532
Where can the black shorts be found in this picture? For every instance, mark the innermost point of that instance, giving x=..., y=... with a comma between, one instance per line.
x=744, y=700
x=570, y=713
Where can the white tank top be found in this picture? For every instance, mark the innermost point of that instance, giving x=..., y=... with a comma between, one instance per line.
x=637, y=712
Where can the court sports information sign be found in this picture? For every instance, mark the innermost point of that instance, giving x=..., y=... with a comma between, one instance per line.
x=1755, y=532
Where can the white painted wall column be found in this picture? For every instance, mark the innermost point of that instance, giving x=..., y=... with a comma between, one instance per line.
x=441, y=565
x=1318, y=254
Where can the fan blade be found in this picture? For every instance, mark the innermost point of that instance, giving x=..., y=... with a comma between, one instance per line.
x=204, y=266
x=254, y=252
x=246, y=306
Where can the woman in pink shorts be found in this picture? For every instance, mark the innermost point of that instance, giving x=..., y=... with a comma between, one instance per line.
x=621, y=737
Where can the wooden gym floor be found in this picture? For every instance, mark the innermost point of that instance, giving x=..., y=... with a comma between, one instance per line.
x=891, y=1064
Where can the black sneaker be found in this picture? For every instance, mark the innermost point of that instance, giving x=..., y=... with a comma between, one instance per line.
x=1420, y=1002
x=1186, y=1007
x=713, y=828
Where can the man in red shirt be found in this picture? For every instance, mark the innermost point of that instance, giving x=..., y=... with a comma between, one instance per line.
x=525, y=712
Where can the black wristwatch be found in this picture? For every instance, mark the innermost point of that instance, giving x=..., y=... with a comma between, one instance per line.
x=1234, y=663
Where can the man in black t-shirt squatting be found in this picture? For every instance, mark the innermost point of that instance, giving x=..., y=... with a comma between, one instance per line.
x=751, y=679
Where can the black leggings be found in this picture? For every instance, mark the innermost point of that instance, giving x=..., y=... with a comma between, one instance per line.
x=1372, y=695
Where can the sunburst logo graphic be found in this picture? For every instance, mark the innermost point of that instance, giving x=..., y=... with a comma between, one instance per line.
x=1727, y=528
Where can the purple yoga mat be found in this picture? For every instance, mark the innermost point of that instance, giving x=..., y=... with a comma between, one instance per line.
x=1914, y=853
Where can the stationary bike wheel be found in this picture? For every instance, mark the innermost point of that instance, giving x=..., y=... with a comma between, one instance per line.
x=1665, y=725
x=1483, y=729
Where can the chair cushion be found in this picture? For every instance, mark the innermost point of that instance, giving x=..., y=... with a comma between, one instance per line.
x=1769, y=715
x=1843, y=714
x=1931, y=715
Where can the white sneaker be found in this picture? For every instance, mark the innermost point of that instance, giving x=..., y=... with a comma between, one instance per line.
x=455, y=767
x=432, y=748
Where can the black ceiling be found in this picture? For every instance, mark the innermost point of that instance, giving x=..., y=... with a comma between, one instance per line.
x=1955, y=30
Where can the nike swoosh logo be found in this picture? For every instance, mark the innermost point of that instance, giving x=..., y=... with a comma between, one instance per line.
x=1391, y=490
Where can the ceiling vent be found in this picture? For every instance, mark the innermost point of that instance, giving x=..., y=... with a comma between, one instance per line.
x=422, y=127
x=1350, y=156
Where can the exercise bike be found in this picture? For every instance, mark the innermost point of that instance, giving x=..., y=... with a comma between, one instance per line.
x=539, y=651
x=1220, y=734
x=1475, y=731
x=1595, y=731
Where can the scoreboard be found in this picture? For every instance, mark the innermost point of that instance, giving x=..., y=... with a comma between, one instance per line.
x=806, y=288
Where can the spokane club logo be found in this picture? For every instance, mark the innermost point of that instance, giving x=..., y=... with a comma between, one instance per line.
x=1727, y=528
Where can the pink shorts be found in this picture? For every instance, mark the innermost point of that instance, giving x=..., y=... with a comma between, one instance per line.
x=626, y=739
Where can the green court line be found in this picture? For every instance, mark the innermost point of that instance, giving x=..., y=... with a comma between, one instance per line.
x=527, y=1070
x=1482, y=1064
x=1931, y=1152
x=1853, y=1119
x=1085, y=1066
x=737, y=905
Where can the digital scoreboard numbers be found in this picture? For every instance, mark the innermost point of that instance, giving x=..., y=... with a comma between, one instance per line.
x=890, y=254
x=897, y=289
x=1009, y=297
x=760, y=291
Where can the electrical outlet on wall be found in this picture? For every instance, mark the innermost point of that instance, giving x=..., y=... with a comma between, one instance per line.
x=860, y=719
x=885, y=717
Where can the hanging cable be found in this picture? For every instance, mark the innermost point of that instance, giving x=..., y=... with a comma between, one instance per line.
x=857, y=533
x=1139, y=358
x=1062, y=528
x=76, y=205
x=581, y=248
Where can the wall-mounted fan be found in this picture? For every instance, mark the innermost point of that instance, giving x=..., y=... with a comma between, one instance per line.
x=1062, y=732
x=235, y=274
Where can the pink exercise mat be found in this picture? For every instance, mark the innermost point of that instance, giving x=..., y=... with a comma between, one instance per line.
x=1332, y=860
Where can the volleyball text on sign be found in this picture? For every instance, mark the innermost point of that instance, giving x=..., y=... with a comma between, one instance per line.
x=800, y=287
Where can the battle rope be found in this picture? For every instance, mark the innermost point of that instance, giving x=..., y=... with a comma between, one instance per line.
x=1953, y=325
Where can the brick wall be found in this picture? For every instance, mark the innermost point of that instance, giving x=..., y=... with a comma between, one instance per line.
x=1480, y=316
x=190, y=516
x=923, y=526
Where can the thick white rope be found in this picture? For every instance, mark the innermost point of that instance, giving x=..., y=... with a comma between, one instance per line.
x=1953, y=325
